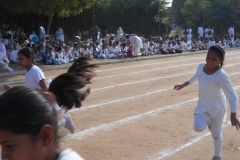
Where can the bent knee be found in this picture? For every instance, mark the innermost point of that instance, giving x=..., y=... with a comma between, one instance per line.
x=199, y=128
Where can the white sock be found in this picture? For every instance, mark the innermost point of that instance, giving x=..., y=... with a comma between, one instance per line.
x=62, y=122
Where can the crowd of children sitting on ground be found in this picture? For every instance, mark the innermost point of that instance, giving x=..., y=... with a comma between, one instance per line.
x=54, y=51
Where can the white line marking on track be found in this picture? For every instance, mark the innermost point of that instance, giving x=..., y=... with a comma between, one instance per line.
x=108, y=126
x=13, y=82
x=120, y=100
x=146, y=80
x=184, y=59
x=152, y=70
x=187, y=144
x=128, y=98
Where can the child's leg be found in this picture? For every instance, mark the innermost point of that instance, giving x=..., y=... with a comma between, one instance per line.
x=6, y=67
x=200, y=122
x=216, y=130
x=66, y=121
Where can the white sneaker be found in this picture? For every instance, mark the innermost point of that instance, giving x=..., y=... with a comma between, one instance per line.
x=69, y=124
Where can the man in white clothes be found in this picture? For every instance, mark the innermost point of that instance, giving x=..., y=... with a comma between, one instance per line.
x=200, y=32
x=136, y=42
x=41, y=33
x=119, y=33
x=189, y=34
x=211, y=33
x=206, y=32
x=231, y=33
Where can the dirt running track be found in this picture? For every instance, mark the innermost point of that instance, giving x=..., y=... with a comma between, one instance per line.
x=133, y=113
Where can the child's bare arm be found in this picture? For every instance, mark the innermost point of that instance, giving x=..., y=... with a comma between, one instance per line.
x=234, y=120
x=180, y=86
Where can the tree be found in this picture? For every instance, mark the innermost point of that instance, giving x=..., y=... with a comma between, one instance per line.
x=62, y=8
x=222, y=15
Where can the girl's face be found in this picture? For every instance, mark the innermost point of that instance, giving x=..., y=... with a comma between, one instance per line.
x=213, y=60
x=23, y=61
x=20, y=147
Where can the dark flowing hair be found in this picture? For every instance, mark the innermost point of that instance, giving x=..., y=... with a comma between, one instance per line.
x=66, y=86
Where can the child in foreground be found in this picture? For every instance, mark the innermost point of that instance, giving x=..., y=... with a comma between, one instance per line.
x=29, y=122
x=214, y=85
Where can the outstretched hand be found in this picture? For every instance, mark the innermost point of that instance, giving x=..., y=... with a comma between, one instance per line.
x=179, y=86
x=235, y=121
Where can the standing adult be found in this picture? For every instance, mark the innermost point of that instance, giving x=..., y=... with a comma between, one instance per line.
x=211, y=33
x=96, y=30
x=200, y=31
x=58, y=34
x=231, y=33
x=189, y=34
x=119, y=33
x=61, y=34
x=41, y=33
x=206, y=32
x=136, y=42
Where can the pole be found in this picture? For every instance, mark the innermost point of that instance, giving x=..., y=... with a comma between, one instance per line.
x=93, y=40
x=159, y=28
x=204, y=11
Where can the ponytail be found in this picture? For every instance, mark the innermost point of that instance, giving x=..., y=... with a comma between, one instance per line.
x=66, y=86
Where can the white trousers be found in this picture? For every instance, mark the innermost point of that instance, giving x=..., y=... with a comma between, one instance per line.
x=201, y=122
x=136, y=49
x=189, y=37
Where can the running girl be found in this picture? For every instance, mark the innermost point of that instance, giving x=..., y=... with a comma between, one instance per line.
x=35, y=78
x=214, y=85
x=29, y=125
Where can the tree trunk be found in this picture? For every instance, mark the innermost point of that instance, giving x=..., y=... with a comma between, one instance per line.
x=50, y=17
x=166, y=27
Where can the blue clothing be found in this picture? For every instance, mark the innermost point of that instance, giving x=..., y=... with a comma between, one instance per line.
x=34, y=39
x=58, y=34
x=95, y=30
x=45, y=57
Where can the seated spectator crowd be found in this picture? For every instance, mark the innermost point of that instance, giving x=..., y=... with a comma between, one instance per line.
x=52, y=51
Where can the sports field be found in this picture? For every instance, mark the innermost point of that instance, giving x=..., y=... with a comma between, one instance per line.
x=133, y=113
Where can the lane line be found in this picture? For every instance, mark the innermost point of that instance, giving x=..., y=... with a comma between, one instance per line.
x=129, y=98
x=188, y=144
x=108, y=126
x=119, y=100
x=184, y=59
x=13, y=82
x=151, y=70
x=145, y=80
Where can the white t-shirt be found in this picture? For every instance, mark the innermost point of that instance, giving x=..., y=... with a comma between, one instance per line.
x=33, y=76
x=212, y=91
x=69, y=154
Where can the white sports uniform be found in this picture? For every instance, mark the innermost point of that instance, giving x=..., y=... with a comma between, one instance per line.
x=211, y=106
x=33, y=77
x=69, y=154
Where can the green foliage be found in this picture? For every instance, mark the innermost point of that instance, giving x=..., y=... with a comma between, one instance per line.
x=134, y=16
x=215, y=13
x=63, y=8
